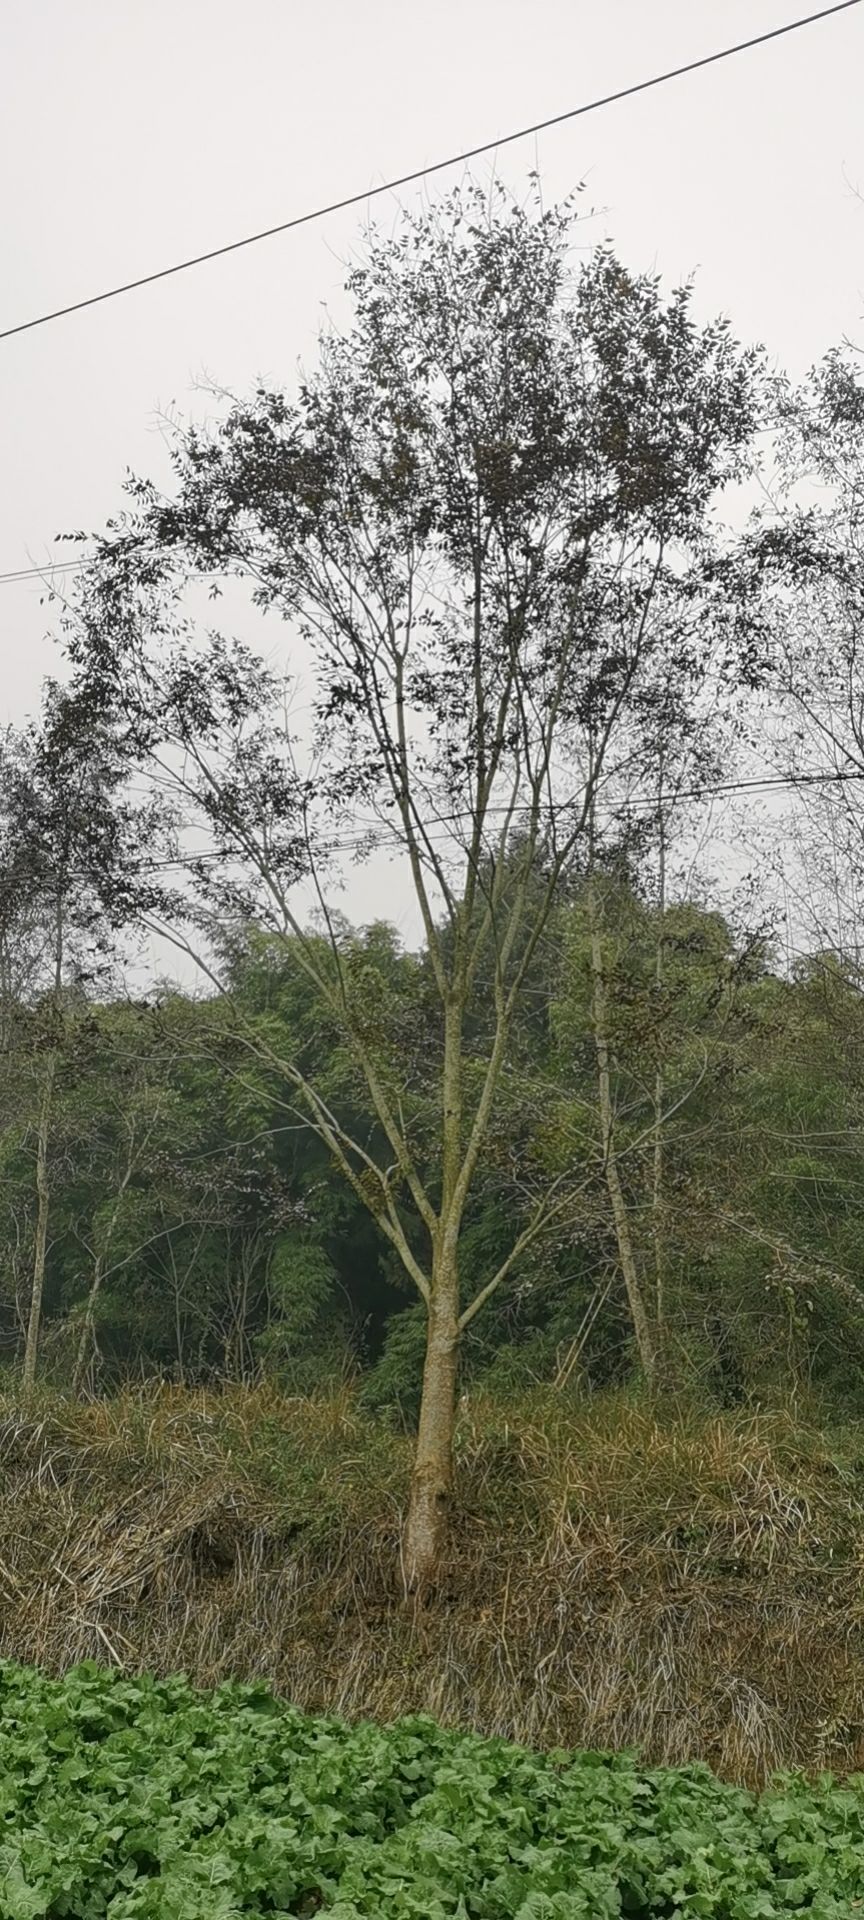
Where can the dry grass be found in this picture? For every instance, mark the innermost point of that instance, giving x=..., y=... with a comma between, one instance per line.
x=692, y=1586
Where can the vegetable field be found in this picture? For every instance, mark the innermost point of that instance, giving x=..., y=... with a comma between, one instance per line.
x=135, y=1797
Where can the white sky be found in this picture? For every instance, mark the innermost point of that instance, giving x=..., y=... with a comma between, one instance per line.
x=134, y=132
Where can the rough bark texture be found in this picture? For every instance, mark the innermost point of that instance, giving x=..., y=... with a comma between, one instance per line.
x=432, y=1478
x=427, y=1524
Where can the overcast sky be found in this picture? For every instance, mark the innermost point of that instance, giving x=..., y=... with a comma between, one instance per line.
x=134, y=132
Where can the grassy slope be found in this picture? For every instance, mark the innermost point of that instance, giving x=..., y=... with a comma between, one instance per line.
x=693, y=1588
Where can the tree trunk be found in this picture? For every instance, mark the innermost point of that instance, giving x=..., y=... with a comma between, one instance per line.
x=642, y=1328
x=657, y=1207
x=82, y=1357
x=659, y=1170
x=428, y=1518
x=43, y=1201
x=86, y=1338
x=43, y=1190
x=427, y=1524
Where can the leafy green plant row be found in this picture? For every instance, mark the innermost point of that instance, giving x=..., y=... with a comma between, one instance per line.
x=132, y=1797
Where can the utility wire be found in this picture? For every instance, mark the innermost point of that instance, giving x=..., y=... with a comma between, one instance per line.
x=781, y=783
x=437, y=166
x=349, y=843
x=41, y=573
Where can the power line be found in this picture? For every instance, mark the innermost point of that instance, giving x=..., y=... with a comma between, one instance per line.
x=761, y=783
x=348, y=843
x=781, y=783
x=72, y=565
x=437, y=166
x=44, y=573
x=41, y=573
x=765, y=783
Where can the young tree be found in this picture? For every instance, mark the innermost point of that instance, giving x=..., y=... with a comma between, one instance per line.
x=682, y=747
x=475, y=513
x=70, y=849
x=688, y=1033
x=167, y=1206
x=132, y=1117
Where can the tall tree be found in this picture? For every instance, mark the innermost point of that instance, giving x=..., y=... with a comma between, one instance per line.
x=477, y=513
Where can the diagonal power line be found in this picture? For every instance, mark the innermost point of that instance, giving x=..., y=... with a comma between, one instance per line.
x=422, y=173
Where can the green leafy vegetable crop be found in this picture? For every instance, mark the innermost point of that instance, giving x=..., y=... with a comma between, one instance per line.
x=136, y=1797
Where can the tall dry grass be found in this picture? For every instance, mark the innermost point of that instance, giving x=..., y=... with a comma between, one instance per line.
x=691, y=1585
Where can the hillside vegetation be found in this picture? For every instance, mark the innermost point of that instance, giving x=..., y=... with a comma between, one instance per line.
x=499, y=1258
x=688, y=1585
x=579, y=1104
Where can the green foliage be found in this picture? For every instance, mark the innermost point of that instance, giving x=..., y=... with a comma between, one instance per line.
x=394, y=1383
x=305, y=1343
x=132, y=1798
x=228, y=1242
